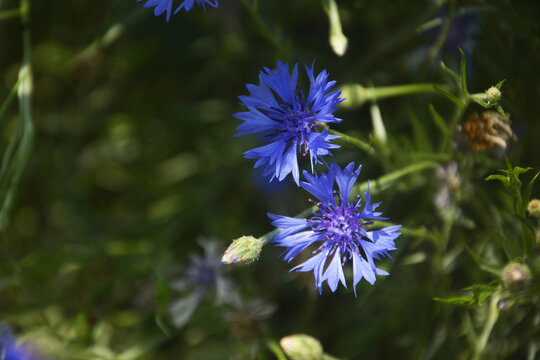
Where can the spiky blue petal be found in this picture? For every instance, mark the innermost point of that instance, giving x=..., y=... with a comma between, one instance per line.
x=289, y=120
x=165, y=6
x=338, y=229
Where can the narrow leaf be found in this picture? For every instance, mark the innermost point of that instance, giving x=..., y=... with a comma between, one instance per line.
x=449, y=96
x=438, y=119
x=463, y=69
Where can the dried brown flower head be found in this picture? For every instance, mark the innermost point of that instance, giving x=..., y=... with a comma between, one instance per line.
x=488, y=130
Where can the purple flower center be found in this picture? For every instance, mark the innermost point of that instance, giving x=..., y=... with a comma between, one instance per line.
x=295, y=121
x=342, y=226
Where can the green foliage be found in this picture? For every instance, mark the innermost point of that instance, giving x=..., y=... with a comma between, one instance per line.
x=118, y=155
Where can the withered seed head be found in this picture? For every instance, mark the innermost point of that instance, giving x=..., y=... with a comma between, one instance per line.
x=488, y=130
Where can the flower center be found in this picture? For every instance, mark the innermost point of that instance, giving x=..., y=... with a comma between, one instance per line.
x=342, y=227
x=295, y=121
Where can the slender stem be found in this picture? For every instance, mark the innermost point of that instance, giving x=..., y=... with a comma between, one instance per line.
x=493, y=315
x=22, y=153
x=11, y=95
x=276, y=350
x=443, y=35
x=358, y=94
x=420, y=232
x=460, y=110
x=112, y=34
x=263, y=29
x=10, y=14
x=353, y=141
x=395, y=175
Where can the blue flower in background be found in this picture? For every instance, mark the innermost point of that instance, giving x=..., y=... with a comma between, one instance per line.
x=161, y=6
x=338, y=228
x=288, y=119
x=9, y=350
x=201, y=278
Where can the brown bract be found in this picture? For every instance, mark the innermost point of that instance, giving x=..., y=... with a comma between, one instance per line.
x=488, y=130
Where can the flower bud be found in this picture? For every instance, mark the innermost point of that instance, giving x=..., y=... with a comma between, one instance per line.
x=493, y=95
x=516, y=276
x=302, y=347
x=243, y=250
x=533, y=208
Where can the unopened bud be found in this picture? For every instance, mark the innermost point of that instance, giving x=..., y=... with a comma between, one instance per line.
x=493, y=95
x=302, y=347
x=338, y=40
x=243, y=250
x=516, y=276
x=533, y=208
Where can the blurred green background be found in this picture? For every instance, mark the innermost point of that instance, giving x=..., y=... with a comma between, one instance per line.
x=134, y=160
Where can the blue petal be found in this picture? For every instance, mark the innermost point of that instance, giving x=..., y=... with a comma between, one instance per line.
x=289, y=225
x=362, y=268
x=334, y=272
x=254, y=121
x=316, y=263
x=345, y=178
x=320, y=186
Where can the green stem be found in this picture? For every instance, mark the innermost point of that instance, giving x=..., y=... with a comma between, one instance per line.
x=443, y=34
x=395, y=175
x=276, y=350
x=460, y=110
x=22, y=153
x=421, y=232
x=353, y=141
x=493, y=315
x=10, y=14
x=357, y=94
x=263, y=29
x=11, y=95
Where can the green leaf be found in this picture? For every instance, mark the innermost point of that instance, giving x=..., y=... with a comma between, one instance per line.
x=438, y=120
x=449, y=72
x=449, y=96
x=457, y=301
x=528, y=192
x=463, y=69
x=500, y=110
x=483, y=264
x=500, y=83
x=528, y=234
x=502, y=178
x=481, y=292
x=421, y=137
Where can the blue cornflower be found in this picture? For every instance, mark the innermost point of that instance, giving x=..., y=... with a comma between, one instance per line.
x=162, y=6
x=338, y=228
x=289, y=120
x=9, y=350
x=202, y=278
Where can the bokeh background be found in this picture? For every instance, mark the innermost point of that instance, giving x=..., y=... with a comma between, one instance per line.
x=134, y=167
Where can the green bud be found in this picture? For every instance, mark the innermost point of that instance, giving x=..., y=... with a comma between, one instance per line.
x=493, y=95
x=302, y=347
x=533, y=208
x=516, y=276
x=338, y=40
x=243, y=250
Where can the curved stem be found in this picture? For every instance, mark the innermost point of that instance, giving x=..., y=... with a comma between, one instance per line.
x=493, y=315
x=353, y=141
x=357, y=94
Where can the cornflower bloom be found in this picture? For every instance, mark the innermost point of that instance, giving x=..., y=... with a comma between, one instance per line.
x=9, y=350
x=161, y=6
x=338, y=227
x=203, y=277
x=288, y=119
